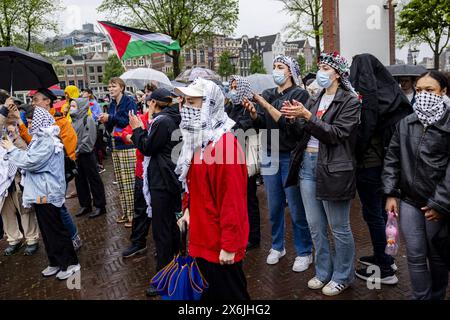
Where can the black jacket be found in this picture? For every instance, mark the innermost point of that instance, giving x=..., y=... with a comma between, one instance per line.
x=158, y=145
x=337, y=133
x=417, y=164
x=383, y=103
x=265, y=121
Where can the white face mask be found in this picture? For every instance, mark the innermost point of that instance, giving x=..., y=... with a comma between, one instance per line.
x=429, y=107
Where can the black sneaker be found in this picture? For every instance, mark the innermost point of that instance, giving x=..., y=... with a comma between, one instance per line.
x=133, y=250
x=387, y=276
x=151, y=292
x=13, y=249
x=372, y=261
x=31, y=249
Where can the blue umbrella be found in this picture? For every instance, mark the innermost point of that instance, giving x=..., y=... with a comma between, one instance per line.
x=181, y=279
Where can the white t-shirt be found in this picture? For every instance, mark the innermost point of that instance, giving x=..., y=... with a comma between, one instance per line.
x=325, y=103
x=410, y=96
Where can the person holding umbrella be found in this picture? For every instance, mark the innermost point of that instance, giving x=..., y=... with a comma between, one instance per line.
x=213, y=172
x=44, y=161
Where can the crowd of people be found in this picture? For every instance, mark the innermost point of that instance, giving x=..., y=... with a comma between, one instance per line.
x=178, y=157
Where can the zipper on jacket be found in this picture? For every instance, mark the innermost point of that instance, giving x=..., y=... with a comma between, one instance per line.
x=418, y=151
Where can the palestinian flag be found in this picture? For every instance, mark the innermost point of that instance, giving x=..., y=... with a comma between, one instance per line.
x=130, y=42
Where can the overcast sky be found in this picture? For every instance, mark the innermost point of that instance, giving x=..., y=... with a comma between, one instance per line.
x=256, y=17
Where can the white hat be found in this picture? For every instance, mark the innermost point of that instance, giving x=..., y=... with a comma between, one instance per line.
x=195, y=89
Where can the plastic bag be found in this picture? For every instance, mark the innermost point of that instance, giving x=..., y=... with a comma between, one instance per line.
x=392, y=234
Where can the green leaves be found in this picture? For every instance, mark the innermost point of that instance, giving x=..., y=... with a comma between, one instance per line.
x=257, y=65
x=426, y=21
x=113, y=68
x=226, y=68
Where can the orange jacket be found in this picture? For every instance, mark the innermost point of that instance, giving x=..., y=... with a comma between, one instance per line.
x=67, y=134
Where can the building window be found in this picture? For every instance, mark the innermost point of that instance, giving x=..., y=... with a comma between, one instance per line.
x=134, y=63
x=62, y=84
x=79, y=71
x=187, y=55
x=194, y=58
x=99, y=69
x=100, y=79
x=70, y=72
x=60, y=71
x=202, y=56
x=91, y=69
x=141, y=62
x=129, y=62
x=91, y=79
x=71, y=83
x=80, y=84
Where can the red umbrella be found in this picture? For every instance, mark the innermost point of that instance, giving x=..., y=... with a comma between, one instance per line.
x=57, y=91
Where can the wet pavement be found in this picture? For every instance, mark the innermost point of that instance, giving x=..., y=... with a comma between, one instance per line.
x=106, y=275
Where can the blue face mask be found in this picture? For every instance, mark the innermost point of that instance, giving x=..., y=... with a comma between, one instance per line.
x=233, y=97
x=279, y=77
x=323, y=79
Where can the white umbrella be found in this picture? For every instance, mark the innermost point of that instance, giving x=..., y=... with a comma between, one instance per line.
x=141, y=76
x=260, y=82
x=190, y=75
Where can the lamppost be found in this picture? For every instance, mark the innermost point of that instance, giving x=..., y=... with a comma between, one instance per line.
x=415, y=54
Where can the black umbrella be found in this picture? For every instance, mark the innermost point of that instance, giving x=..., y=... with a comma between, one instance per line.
x=23, y=70
x=406, y=70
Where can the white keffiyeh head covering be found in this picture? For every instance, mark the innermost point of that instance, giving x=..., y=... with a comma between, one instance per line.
x=243, y=89
x=293, y=65
x=201, y=126
x=429, y=107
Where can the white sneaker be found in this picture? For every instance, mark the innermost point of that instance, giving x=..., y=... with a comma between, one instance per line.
x=275, y=256
x=63, y=275
x=50, y=271
x=315, y=284
x=302, y=263
x=333, y=288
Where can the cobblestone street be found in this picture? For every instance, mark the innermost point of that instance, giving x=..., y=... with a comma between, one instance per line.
x=106, y=275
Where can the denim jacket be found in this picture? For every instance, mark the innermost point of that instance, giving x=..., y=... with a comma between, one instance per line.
x=43, y=169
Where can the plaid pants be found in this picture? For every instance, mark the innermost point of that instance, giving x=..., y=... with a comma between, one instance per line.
x=124, y=162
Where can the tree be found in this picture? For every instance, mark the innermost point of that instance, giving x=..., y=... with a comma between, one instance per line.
x=302, y=64
x=427, y=21
x=20, y=21
x=226, y=68
x=32, y=22
x=305, y=13
x=113, y=68
x=187, y=21
x=257, y=65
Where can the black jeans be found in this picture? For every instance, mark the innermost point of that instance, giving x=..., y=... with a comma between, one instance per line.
x=2, y=232
x=253, y=212
x=166, y=233
x=226, y=282
x=88, y=181
x=57, y=240
x=368, y=182
x=141, y=222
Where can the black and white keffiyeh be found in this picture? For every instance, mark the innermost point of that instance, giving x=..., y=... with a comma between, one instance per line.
x=243, y=89
x=7, y=173
x=41, y=119
x=201, y=126
x=429, y=107
x=293, y=67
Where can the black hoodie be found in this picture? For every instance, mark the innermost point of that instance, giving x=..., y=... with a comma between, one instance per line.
x=158, y=145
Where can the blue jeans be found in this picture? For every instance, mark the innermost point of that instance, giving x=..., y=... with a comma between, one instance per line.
x=276, y=193
x=368, y=182
x=338, y=266
x=68, y=222
x=427, y=271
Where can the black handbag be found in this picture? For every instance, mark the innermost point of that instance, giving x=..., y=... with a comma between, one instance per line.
x=70, y=168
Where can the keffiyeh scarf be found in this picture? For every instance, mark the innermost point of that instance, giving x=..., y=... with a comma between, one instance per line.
x=340, y=64
x=7, y=173
x=429, y=107
x=44, y=125
x=293, y=67
x=243, y=89
x=201, y=126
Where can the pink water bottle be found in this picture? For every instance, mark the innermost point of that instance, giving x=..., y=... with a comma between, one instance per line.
x=392, y=234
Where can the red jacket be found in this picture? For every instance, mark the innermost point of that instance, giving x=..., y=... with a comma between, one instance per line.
x=218, y=201
x=139, y=156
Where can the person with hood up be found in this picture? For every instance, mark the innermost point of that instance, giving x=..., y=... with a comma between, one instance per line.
x=43, y=161
x=213, y=171
x=71, y=92
x=162, y=190
x=240, y=89
x=88, y=181
x=417, y=174
x=275, y=163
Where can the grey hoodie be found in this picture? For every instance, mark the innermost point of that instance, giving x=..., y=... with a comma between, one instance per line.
x=84, y=126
